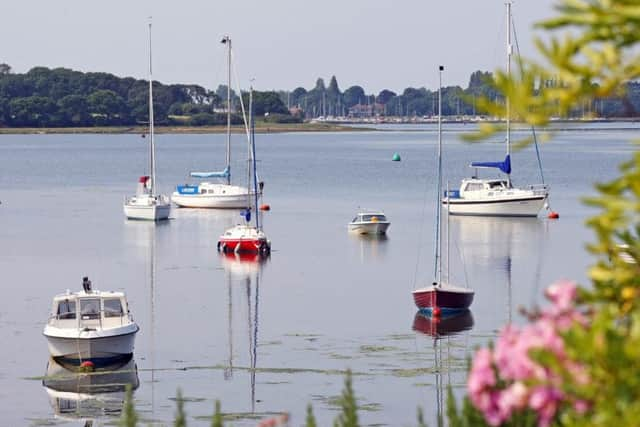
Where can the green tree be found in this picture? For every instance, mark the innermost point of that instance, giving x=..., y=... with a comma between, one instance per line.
x=354, y=95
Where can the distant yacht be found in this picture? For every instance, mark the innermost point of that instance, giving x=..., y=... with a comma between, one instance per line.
x=213, y=194
x=497, y=197
x=146, y=204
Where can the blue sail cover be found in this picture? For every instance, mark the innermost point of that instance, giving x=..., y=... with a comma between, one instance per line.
x=503, y=166
x=223, y=174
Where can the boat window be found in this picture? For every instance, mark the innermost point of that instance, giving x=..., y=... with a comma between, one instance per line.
x=66, y=309
x=112, y=307
x=474, y=186
x=210, y=191
x=354, y=219
x=90, y=308
x=497, y=184
x=203, y=191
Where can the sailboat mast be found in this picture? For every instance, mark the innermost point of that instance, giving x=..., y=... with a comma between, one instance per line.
x=507, y=101
x=226, y=40
x=253, y=158
x=152, y=157
x=438, y=250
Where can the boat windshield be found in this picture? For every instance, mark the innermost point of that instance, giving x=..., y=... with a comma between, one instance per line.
x=66, y=309
x=373, y=217
x=90, y=308
x=112, y=307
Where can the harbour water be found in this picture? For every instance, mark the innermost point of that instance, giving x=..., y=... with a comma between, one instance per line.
x=271, y=337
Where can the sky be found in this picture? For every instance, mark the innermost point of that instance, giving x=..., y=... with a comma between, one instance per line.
x=277, y=44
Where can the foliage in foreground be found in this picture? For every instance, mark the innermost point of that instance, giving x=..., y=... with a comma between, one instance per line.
x=575, y=362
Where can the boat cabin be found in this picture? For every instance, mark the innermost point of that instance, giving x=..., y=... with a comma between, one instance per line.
x=485, y=185
x=89, y=310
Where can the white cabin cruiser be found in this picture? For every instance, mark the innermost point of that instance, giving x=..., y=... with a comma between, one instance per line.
x=498, y=197
x=495, y=197
x=90, y=325
x=369, y=222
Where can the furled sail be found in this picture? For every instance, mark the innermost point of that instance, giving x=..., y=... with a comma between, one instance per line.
x=504, y=166
x=222, y=174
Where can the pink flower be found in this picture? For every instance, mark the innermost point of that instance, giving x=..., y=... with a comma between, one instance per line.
x=562, y=294
x=544, y=400
x=481, y=375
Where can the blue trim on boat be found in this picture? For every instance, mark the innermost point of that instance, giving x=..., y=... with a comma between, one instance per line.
x=187, y=189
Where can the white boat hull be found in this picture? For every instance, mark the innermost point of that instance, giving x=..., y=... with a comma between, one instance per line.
x=517, y=206
x=369, y=228
x=149, y=213
x=93, y=345
x=220, y=201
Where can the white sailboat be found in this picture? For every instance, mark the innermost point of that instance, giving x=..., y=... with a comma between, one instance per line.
x=146, y=204
x=214, y=194
x=498, y=197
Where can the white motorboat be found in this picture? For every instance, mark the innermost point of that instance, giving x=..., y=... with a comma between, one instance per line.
x=90, y=325
x=146, y=204
x=497, y=197
x=369, y=222
x=211, y=194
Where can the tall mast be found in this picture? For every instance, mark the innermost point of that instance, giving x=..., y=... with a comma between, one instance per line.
x=438, y=249
x=226, y=40
x=253, y=158
x=152, y=157
x=507, y=102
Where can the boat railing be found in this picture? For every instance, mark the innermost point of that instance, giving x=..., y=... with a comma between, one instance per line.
x=539, y=189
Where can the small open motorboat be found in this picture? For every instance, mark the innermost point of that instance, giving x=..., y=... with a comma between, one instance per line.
x=369, y=222
x=90, y=325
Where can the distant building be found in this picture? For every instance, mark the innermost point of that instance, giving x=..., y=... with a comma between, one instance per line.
x=366, y=110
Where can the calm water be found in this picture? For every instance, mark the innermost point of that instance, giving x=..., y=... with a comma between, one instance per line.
x=324, y=302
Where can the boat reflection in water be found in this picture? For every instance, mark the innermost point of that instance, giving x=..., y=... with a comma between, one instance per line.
x=87, y=396
x=243, y=270
x=446, y=324
x=448, y=338
x=370, y=246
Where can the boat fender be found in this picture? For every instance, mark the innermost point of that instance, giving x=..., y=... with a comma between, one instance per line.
x=436, y=312
x=219, y=247
x=265, y=207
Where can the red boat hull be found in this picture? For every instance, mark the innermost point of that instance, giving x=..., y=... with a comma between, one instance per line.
x=249, y=246
x=442, y=298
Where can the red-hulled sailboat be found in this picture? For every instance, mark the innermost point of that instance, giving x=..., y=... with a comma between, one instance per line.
x=248, y=238
x=441, y=297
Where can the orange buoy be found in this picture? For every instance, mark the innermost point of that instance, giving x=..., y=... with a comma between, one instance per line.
x=87, y=366
x=265, y=207
x=436, y=312
x=553, y=215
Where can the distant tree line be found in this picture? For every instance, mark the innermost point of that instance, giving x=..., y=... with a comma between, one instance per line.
x=60, y=97
x=328, y=100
